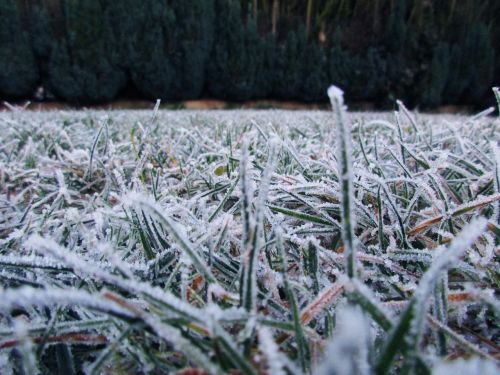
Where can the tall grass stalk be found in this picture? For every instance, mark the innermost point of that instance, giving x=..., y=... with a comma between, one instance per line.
x=345, y=177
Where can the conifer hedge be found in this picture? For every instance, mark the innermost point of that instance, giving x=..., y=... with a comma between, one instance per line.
x=93, y=51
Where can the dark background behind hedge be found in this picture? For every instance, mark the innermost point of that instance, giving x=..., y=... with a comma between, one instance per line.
x=427, y=53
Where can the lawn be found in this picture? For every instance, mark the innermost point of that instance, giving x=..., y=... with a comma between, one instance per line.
x=249, y=242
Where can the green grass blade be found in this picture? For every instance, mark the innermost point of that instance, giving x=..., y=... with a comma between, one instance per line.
x=301, y=215
x=405, y=336
x=496, y=91
x=345, y=176
x=65, y=362
x=302, y=349
x=152, y=208
x=254, y=228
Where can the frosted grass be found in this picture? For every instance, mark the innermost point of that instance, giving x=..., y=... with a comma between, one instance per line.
x=248, y=241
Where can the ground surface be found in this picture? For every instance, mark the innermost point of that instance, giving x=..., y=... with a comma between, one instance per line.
x=139, y=241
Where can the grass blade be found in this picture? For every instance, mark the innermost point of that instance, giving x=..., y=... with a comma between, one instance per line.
x=153, y=208
x=302, y=349
x=345, y=176
x=253, y=225
x=405, y=336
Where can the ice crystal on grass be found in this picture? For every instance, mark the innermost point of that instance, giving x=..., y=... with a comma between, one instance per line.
x=466, y=367
x=345, y=177
x=135, y=242
x=348, y=352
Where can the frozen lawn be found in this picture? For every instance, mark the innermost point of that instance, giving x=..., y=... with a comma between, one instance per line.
x=132, y=241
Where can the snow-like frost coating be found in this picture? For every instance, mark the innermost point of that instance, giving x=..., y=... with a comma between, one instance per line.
x=336, y=94
x=155, y=239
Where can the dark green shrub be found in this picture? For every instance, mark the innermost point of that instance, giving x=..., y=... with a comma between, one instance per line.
x=40, y=31
x=315, y=78
x=480, y=64
x=471, y=68
x=150, y=64
x=437, y=76
x=397, y=32
x=339, y=63
x=164, y=45
x=237, y=55
x=192, y=43
x=18, y=68
x=362, y=77
x=265, y=79
x=288, y=80
x=83, y=64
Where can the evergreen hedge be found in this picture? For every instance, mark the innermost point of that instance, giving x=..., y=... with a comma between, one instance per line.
x=83, y=63
x=89, y=51
x=18, y=69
